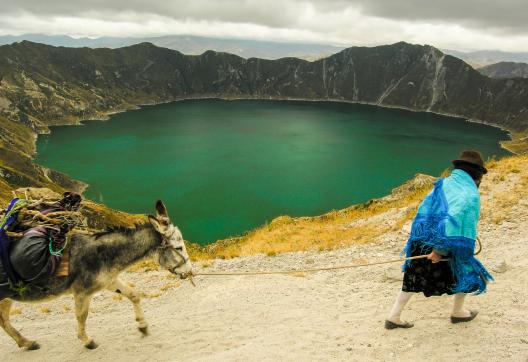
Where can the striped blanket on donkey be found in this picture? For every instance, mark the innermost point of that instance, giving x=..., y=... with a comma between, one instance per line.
x=33, y=237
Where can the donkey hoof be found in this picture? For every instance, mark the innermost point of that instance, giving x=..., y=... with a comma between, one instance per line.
x=91, y=345
x=144, y=330
x=32, y=346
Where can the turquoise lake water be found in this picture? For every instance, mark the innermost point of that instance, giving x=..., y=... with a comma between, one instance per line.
x=225, y=167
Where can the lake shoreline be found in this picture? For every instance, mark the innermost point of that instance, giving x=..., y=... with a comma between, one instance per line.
x=106, y=115
x=433, y=127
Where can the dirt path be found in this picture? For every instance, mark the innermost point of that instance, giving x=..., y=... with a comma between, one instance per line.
x=322, y=316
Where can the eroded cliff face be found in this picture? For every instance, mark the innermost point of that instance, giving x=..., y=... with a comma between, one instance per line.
x=41, y=85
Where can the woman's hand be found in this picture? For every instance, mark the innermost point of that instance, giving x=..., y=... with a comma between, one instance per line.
x=434, y=257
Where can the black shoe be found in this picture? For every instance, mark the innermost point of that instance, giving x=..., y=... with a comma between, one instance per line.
x=392, y=325
x=472, y=315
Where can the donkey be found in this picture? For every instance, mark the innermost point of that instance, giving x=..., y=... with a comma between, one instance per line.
x=95, y=263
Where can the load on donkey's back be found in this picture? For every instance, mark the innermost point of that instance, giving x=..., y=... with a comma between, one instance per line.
x=33, y=240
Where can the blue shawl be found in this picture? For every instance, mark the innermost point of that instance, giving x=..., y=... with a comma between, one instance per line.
x=447, y=221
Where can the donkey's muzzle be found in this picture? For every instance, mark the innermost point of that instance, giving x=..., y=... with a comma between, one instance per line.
x=189, y=276
x=176, y=272
x=185, y=275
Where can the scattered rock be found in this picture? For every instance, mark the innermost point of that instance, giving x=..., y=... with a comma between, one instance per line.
x=392, y=275
x=406, y=228
x=501, y=267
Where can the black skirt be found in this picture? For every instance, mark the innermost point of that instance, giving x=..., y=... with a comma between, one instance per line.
x=422, y=276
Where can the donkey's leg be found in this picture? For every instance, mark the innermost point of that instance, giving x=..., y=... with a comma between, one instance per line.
x=5, y=307
x=119, y=287
x=82, y=305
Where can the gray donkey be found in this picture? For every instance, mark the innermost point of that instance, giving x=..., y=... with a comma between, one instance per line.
x=95, y=263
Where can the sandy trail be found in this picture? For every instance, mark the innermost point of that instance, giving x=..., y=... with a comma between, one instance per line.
x=321, y=316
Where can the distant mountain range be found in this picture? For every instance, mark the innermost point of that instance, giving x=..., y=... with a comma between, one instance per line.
x=195, y=45
x=505, y=70
x=188, y=44
x=479, y=59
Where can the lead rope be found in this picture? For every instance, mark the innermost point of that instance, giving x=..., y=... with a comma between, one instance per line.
x=311, y=270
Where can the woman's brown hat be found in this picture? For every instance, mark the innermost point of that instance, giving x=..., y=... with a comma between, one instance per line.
x=472, y=157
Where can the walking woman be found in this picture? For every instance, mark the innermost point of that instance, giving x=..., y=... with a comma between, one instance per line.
x=445, y=227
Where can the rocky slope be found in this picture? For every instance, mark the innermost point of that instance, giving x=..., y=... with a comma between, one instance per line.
x=317, y=316
x=17, y=168
x=505, y=70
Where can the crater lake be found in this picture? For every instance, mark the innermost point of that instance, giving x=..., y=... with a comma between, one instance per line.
x=225, y=167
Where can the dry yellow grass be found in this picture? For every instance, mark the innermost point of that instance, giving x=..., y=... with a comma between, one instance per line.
x=144, y=265
x=361, y=223
x=329, y=231
x=496, y=205
x=365, y=222
x=15, y=311
x=170, y=286
x=356, y=224
x=298, y=275
x=518, y=144
x=152, y=295
x=45, y=309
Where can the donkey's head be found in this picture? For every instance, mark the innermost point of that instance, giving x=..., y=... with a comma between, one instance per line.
x=173, y=254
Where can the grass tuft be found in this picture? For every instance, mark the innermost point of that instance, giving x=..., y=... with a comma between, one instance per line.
x=15, y=311
x=170, y=286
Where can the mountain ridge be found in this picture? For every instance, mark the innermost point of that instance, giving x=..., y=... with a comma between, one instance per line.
x=505, y=70
x=398, y=75
x=42, y=85
x=481, y=58
x=247, y=48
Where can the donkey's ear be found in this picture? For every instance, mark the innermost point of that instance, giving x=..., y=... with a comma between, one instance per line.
x=154, y=222
x=161, y=210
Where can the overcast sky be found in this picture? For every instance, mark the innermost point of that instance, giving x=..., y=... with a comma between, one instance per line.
x=453, y=24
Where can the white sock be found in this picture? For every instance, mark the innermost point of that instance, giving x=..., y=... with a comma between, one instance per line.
x=458, y=306
x=399, y=304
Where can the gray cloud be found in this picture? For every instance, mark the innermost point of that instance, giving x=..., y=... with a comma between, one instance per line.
x=503, y=14
x=499, y=14
x=270, y=13
x=448, y=23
